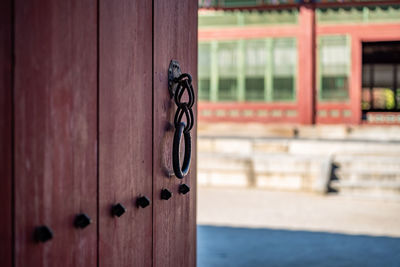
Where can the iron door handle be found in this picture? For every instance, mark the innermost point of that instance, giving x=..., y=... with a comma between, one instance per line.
x=178, y=84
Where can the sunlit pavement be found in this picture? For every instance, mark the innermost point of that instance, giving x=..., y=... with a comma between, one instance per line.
x=260, y=228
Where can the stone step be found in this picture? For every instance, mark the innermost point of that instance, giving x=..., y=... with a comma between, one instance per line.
x=295, y=146
x=275, y=171
x=370, y=159
x=225, y=162
x=352, y=148
x=395, y=185
x=381, y=189
x=261, y=163
x=342, y=132
x=226, y=170
x=367, y=175
x=286, y=163
x=364, y=169
x=368, y=167
x=364, y=174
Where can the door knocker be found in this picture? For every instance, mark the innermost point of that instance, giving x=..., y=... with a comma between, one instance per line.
x=178, y=83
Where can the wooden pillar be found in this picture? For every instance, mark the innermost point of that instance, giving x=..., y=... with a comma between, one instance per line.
x=355, y=80
x=6, y=133
x=306, y=93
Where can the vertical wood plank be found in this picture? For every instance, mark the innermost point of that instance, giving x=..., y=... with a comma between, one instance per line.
x=6, y=133
x=125, y=131
x=174, y=220
x=55, y=130
x=306, y=93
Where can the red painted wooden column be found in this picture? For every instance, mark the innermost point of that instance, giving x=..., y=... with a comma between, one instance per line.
x=355, y=80
x=306, y=93
x=5, y=133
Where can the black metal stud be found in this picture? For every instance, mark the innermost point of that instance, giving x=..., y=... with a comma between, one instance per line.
x=142, y=202
x=184, y=189
x=82, y=220
x=118, y=209
x=42, y=234
x=166, y=194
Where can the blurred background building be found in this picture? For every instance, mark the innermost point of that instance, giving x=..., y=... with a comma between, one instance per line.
x=299, y=133
x=260, y=54
x=300, y=95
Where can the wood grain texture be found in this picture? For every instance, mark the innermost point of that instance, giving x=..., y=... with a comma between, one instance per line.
x=55, y=130
x=6, y=133
x=174, y=220
x=125, y=131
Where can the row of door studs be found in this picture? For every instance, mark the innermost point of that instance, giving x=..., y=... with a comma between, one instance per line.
x=44, y=233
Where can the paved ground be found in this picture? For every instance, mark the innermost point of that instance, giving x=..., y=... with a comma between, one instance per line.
x=260, y=228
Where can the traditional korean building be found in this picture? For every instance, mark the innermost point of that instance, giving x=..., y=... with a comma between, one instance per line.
x=328, y=62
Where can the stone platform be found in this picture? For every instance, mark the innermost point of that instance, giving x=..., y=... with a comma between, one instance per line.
x=352, y=161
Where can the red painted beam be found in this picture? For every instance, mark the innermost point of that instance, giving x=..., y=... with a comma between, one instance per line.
x=247, y=32
x=372, y=31
x=221, y=112
x=246, y=105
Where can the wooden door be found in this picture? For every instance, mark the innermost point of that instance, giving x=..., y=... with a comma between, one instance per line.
x=85, y=124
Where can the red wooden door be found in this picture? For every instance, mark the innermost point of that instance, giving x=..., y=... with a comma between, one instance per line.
x=85, y=120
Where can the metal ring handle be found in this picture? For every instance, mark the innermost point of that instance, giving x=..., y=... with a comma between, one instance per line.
x=179, y=130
